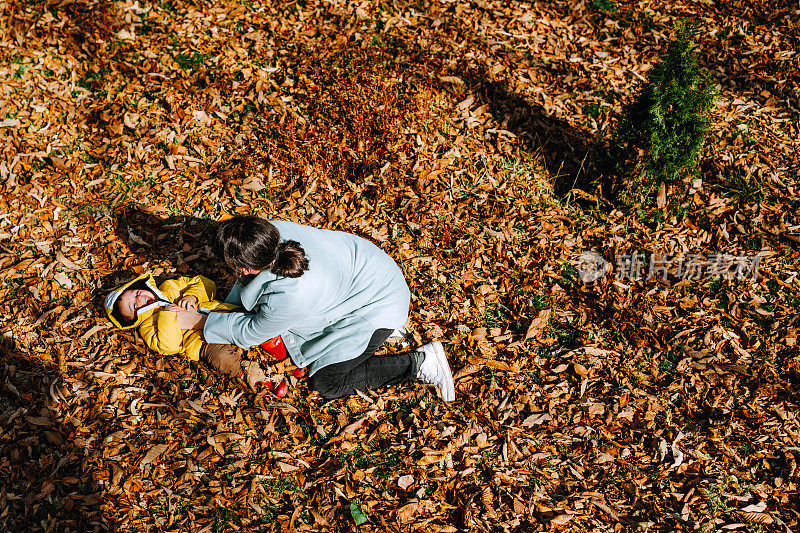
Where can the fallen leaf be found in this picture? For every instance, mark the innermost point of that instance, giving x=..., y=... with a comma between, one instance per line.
x=152, y=454
x=403, y=482
x=538, y=324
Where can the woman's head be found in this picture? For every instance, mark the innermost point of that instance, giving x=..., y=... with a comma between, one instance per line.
x=251, y=243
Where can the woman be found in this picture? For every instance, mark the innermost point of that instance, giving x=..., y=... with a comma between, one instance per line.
x=333, y=297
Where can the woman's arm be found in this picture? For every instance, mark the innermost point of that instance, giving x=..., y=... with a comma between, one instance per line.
x=246, y=330
x=234, y=297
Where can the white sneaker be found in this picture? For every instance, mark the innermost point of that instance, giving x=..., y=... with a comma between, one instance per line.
x=435, y=370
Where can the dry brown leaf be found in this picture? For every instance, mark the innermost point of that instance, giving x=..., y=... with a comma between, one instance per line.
x=755, y=518
x=403, y=482
x=466, y=371
x=407, y=512
x=487, y=498
x=538, y=324
x=128, y=128
x=66, y=262
x=560, y=520
x=152, y=454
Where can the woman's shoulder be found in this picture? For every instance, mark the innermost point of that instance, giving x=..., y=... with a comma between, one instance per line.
x=327, y=238
x=330, y=251
x=286, y=296
x=267, y=288
x=290, y=226
x=298, y=232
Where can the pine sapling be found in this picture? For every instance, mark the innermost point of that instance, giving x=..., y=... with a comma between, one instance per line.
x=666, y=126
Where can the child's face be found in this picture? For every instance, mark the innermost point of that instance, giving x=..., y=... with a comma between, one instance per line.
x=134, y=299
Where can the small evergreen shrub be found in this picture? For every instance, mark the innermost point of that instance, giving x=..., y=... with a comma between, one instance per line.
x=662, y=132
x=606, y=6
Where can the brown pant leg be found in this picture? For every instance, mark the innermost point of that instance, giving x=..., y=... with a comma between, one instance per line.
x=224, y=358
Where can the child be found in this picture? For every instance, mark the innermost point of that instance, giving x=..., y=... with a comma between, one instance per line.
x=140, y=303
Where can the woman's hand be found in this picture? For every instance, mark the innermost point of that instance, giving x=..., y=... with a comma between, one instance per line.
x=187, y=302
x=188, y=319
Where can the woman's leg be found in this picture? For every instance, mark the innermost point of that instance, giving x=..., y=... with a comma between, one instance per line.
x=366, y=370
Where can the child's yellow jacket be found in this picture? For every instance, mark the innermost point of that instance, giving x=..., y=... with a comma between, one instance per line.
x=158, y=327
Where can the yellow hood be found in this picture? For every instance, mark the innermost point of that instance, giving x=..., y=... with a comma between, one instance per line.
x=145, y=282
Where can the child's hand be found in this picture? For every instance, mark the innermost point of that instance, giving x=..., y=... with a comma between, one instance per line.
x=189, y=319
x=187, y=302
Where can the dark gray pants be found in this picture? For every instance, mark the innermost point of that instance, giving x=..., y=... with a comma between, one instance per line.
x=365, y=371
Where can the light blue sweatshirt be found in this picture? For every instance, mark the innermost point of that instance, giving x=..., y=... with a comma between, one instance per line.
x=328, y=314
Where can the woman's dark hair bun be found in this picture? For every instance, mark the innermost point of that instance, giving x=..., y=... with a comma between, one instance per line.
x=290, y=260
x=253, y=243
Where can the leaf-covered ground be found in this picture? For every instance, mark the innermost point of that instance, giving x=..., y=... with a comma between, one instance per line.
x=450, y=133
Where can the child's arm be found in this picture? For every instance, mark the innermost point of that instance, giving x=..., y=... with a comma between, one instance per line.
x=161, y=333
x=200, y=287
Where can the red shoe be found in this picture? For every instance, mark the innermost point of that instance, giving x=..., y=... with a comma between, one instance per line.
x=278, y=389
x=275, y=348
